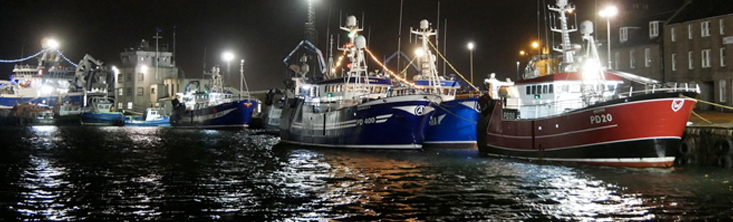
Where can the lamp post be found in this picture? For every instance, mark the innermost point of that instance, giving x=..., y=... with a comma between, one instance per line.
x=227, y=57
x=607, y=13
x=470, y=55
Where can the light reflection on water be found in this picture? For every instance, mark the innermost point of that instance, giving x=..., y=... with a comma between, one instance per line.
x=127, y=173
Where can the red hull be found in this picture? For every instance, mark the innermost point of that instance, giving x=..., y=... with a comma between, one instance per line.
x=637, y=133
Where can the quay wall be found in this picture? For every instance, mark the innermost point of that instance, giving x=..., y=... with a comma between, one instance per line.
x=706, y=146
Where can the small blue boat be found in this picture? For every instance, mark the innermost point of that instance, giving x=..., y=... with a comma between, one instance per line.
x=151, y=118
x=102, y=113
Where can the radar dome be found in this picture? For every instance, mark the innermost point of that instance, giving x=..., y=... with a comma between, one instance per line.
x=562, y=3
x=360, y=42
x=351, y=21
x=424, y=24
x=586, y=27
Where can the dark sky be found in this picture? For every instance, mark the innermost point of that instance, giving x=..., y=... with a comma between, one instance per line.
x=264, y=31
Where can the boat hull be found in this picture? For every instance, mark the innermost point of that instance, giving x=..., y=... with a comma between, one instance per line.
x=454, y=124
x=226, y=115
x=7, y=101
x=639, y=131
x=163, y=122
x=102, y=119
x=391, y=123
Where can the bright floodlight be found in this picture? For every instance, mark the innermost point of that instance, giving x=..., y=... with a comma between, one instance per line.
x=227, y=56
x=52, y=43
x=143, y=68
x=419, y=52
x=535, y=44
x=470, y=46
x=609, y=11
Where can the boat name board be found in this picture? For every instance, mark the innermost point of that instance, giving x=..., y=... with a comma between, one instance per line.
x=509, y=114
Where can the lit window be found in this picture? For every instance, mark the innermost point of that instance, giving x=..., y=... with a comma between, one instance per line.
x=119, y=104
x=721, y=24
x=722, y=57
x=689, y=60
x=705, y=56
x=119, y=92
x=129, y=105
x=689, y=31
x=647, y=57
x=705, y=29
x=617, y=59
x=674, y=62
x=722, y=90
x=673, y=33
x=623, y=34
x=632, y=59
x=653, y=29
x=120, y=77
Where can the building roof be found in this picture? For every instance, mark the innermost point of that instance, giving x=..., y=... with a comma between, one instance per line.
x=698, y=9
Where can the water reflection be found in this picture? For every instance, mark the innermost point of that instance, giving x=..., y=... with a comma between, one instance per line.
x=125, y=173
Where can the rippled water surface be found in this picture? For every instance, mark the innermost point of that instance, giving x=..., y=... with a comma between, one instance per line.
x=123, y=173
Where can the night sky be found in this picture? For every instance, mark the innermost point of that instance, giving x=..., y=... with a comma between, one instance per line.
x=264, y=31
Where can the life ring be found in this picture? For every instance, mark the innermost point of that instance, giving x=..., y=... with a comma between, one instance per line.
x=687, y=147
x=725, y=162
x=725, y=147
x=25, y=84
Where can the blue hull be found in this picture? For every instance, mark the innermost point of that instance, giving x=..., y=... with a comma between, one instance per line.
x=395, y=124
x=454, y=124
x=9, y=102
x=103, y=119
x=226, y=115
x=165, y=122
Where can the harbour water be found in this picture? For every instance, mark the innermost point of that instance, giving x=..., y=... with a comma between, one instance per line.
x=126, y=173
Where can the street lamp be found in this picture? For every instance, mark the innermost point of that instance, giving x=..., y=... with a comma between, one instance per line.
x=227, y=57
x=536, y=45
x=470, y=53
x=607, y=13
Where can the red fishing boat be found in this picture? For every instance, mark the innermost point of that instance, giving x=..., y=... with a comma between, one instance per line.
x=569, y=108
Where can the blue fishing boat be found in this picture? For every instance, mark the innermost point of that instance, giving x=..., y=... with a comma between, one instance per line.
x=152, y=118
x=219, y=108
x=101, y=112
x=355, y=110
x=46, y=83
x=454, y=122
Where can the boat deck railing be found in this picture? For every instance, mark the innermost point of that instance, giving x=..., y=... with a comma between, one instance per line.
x=669, y=87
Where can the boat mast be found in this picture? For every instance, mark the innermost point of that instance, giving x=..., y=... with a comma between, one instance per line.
x=566, y=48
x=355, y=48
x=427, y=59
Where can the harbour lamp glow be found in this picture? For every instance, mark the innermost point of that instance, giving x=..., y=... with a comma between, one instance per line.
x=51, y=43
x=419, y=52
x=227, y=57
x=607, y=13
